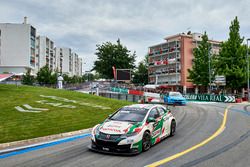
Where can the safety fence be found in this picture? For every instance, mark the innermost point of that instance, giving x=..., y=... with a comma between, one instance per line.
x=119, y=96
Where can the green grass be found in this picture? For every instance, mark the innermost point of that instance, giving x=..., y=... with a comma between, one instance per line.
x=15, y=125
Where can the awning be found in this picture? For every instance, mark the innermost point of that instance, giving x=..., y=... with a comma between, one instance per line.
x=150, y=86
x=5, y=76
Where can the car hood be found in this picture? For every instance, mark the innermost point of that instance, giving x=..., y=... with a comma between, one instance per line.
x=115, y=127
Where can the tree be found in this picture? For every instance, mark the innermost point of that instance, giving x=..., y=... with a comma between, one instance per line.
x=199, y=74
x=88, y=77
x=28, y=79
x=231, y=61
x=141, y=74
x=109, y=55
x=45, y=76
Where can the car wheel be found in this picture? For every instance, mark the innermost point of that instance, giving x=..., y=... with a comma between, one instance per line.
x=172, y=128
x=146, y=141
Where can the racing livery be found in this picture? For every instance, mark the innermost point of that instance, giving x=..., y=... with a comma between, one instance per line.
x=175, y=98
x=133, y=129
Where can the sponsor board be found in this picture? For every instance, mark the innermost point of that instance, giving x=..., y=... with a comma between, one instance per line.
x=212, y=98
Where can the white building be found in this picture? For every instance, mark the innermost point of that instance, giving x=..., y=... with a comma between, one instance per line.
x=68, y=62
x=17, y=47
x=45, y=53
x=79, y=67
x=63, y=56
x=21, y=49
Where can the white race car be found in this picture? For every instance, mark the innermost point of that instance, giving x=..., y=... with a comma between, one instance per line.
x=133, y=129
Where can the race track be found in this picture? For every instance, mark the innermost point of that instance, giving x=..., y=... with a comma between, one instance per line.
x=195, y=124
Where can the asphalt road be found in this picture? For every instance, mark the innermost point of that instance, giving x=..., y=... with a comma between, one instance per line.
x=195, y=123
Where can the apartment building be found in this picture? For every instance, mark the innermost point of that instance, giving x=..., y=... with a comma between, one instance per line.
x=21, y=49
x=76, y=65
x=17, y=47
x=79, y=72
x=45, y=53
x=169, y=61
x=63, y=56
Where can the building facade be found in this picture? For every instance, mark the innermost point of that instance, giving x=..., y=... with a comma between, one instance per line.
x=45, y=53
x=169, y=61
x=21, y=50
x=17, y=48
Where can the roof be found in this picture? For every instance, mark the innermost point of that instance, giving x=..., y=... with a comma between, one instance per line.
x=149, y=86
x=5, y=76
x=143, y=106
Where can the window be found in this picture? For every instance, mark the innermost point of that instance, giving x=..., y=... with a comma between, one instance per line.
x=161, y=111
x=154, y=113
x=130, y=114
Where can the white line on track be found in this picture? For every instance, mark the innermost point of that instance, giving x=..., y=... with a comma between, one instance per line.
x=221, y=114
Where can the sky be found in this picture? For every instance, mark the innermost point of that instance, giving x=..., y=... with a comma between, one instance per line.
x=82, y=24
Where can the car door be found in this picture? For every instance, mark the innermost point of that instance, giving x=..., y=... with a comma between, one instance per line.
x=157, y=125
x=165, y=121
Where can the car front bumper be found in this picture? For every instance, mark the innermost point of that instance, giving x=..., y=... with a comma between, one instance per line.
x=112, y=148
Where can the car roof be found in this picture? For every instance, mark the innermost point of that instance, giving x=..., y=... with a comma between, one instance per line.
x=143, y=106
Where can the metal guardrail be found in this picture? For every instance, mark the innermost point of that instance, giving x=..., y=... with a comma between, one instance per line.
x=118, y=96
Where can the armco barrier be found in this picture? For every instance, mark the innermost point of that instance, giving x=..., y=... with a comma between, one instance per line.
x=210, y=97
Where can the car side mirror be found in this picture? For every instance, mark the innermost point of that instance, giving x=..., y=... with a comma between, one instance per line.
x=151, y=119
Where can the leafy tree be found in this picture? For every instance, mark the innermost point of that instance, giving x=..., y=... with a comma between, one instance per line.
x=141, y=74
x=109, y=55
x=45, y=76
x=28, y=79
x=66, y=78
x=89, y=77
x=199, y=74
x=231, y=61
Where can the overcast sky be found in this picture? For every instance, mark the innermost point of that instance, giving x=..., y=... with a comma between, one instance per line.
x=81, y=24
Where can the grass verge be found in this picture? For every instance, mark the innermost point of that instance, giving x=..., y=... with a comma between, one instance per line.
x=16, y=125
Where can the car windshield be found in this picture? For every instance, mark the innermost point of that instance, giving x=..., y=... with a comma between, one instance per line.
x=130, y=114
x=176, y=94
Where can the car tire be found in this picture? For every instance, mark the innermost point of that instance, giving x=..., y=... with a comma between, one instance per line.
x=146, y=141
x=172, y=128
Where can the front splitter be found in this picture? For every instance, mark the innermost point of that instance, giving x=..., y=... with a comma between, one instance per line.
x=113, y=152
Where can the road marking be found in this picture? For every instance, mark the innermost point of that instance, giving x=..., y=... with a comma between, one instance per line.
x=221, y=114
x=219, y=131
x=23, y=151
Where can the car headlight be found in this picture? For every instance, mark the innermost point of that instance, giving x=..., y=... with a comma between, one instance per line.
x=136, y=132
x=95, y=131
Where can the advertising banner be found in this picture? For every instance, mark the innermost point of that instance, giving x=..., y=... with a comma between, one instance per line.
x=213, y=98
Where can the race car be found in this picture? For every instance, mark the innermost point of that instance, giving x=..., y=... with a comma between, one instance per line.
x=174, y=98
x=133, y=129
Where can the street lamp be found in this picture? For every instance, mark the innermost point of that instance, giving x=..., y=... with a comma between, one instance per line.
x=209, y=66
x=248, y=71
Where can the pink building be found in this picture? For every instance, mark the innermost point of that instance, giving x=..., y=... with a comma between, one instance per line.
x=169, y=61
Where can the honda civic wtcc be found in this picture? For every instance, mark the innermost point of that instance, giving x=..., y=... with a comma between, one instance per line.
x=133, y=129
